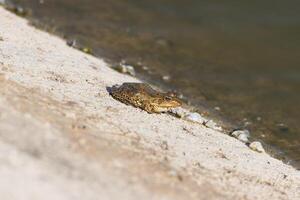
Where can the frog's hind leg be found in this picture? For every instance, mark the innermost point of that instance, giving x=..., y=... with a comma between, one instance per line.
x=149, y=108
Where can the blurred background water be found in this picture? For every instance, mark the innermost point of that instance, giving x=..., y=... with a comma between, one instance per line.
x=240, y=57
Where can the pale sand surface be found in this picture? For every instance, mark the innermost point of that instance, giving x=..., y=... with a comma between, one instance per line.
x=62, y=136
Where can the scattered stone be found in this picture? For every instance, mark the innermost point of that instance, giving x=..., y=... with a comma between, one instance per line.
x=257, y=146
x=247, y=123
x=145, y=68
x=86, y=50
x=125, y=69
x=18, y=10
x=179, y=112
x=139, y=63
x=213, y=125
x=242, y=135
x=195, y=117
x=217, y=108
x=72, y=43
x=243, y=138
x=166, y=77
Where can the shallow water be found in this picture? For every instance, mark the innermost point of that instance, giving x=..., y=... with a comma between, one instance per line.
x=241, y=57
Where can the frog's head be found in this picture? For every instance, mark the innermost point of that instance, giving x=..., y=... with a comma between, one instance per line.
x=165, y=102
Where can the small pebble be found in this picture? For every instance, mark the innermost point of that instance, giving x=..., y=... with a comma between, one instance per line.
x=72, y=43
x=242, y=135
x=257, y=146
x=166, y=78
x=213, y=125
x=258, y=118
x=87, y=50
x=17, y=10
x=179, y=112
x=217, y=108
x=247, y=123
x=145, y=68
x=125, y=69
x=243, y=138
x=195, y=117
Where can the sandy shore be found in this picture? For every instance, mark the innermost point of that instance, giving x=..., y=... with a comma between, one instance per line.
x=62, y=136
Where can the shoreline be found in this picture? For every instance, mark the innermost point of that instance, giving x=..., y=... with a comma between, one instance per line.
x=223, y=120
x=98, y=141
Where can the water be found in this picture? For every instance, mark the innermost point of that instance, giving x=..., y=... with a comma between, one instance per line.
x=243, y=57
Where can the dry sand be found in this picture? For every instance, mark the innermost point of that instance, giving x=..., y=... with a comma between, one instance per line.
x=62, y=136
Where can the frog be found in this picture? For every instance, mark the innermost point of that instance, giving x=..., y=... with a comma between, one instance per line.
x=143, y=96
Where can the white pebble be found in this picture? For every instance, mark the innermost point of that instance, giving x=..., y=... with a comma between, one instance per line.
x=166, y=78
x=213, y=125
x=242, y=135
x=257, y=146
x=145, y=68
x=217, y=108
x=126, y=69
x=195, y=117
x=179, y=112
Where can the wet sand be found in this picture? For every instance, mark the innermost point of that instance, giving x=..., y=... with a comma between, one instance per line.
x=64, y=137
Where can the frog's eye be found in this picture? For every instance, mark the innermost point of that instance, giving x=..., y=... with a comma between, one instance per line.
x=167, y=98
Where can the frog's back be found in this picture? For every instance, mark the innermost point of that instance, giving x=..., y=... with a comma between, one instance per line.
x=135, y=88
x=142, y=95
x=130, y=93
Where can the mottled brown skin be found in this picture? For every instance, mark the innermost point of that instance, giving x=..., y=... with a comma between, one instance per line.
x=141, y=95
